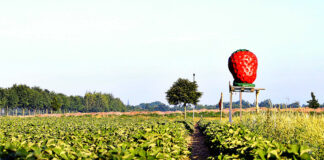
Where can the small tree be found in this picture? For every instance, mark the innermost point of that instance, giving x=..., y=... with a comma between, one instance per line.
x=313, y=103
x=183, y=92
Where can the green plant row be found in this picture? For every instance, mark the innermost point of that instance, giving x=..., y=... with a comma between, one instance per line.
x=188, y=124
x=92, y=138
x=288, y=128
x=228, y=141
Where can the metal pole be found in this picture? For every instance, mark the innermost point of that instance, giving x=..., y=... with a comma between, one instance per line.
x=241, y=105
x=193, y=107
x=194, y=77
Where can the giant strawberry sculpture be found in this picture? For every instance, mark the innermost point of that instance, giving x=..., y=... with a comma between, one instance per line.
x=243, y=65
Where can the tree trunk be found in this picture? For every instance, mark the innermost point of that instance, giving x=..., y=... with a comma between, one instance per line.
x=16, y=112
x=7, y=111
x=28, y=112
x=185, y=109
x=23, y=112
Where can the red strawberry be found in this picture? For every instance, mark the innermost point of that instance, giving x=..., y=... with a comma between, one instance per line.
x=243, y=65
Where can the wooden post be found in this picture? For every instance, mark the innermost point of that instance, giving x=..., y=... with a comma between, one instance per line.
x=256, y=100
x=221, y=106
x=241, y=105
x=230, y=109
x=221, y=115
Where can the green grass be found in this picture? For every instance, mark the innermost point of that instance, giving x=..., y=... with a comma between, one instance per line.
x=288, y=128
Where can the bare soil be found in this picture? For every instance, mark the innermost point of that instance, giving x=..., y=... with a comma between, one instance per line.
x=199, y=149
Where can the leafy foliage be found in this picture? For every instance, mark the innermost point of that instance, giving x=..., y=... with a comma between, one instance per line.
x=288, y=128
x=153, y=106
x=236, y=142
x=55, y=104
x=35, y=98
x=313, y=103
x=183, y=92
x=92, y=138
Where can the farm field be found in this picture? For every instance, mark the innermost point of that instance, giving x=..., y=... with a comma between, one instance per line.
x=267, y=135
x=288, y=128
x=161, y=80
x=93, y=138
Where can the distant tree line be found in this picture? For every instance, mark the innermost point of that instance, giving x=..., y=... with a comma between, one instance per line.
x=27, y=98
x=34, y=99
x=159, y=106
x=154, y=106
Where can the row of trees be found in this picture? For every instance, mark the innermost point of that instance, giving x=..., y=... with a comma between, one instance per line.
x=153, y=106
x=159, y=106
x=23, y=97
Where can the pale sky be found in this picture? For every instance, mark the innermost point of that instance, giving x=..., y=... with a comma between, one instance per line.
x=136, y=49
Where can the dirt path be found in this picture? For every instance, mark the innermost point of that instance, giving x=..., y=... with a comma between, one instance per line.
x=199, y=150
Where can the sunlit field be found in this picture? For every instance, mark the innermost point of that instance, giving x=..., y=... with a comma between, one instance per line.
x=288, y=128
x=97, y=137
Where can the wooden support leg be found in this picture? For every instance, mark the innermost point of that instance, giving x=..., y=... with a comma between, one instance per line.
x=256, y=101
x=241, y=105
x=230, y=109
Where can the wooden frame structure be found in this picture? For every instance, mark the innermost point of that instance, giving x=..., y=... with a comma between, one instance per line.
x=241, y=90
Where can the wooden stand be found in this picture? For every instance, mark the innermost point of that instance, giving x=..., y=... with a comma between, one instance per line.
x=241, y=90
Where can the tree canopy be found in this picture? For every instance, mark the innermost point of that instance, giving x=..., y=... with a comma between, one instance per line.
x=183, y=92
x=35, y=98
x=313, y=103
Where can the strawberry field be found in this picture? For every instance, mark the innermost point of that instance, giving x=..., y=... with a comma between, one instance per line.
x=268, y=135
x=289, y=128
x=93, y=138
